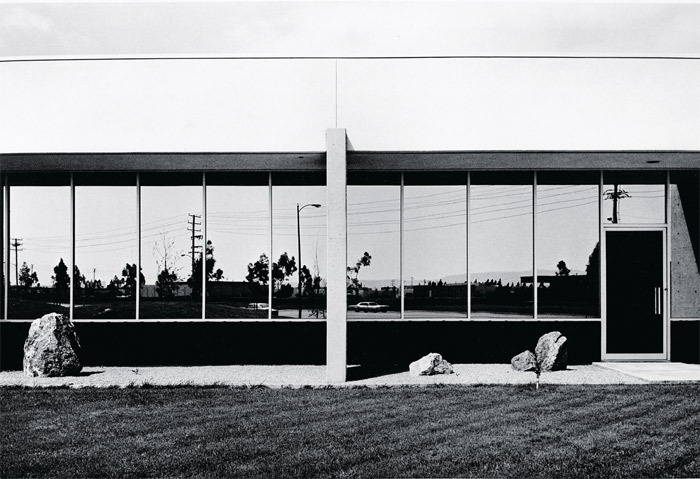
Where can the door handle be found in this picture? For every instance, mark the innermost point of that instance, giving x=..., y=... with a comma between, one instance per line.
x=657, y=300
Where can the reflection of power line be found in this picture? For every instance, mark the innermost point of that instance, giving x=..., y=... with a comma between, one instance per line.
x=193, y=223
x=462, y=223
x=616, y=195
x=253, y=221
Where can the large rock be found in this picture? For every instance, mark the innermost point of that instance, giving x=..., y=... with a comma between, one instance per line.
x=52, y=347
x=551, y=352
x=430, y=364
x=525, y=361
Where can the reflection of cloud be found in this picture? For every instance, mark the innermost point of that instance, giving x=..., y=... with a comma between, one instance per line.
x=20, y=18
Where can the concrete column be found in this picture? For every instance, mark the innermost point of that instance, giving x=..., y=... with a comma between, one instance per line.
x=336, y=293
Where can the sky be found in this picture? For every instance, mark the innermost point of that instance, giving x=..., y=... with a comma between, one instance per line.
x=348, y=28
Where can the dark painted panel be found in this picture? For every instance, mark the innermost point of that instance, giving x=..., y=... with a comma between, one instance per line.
x=163, y=161
x=157, y=344
x=521, y=160
x=685, y=341
x=389, y=344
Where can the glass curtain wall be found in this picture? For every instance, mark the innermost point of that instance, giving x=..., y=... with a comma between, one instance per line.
x=243, y=262
x=171, y=246
x=435, y=245
x=501, y=257
x=106, y=246
x=238, y=245
x=40, y=245
x=374, y=246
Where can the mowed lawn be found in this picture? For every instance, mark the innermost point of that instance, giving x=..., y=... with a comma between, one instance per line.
x=514, y=431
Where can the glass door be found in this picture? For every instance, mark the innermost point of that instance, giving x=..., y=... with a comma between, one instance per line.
x=635, y=326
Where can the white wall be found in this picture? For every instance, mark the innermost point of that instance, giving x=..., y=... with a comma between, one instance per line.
x=520, y=104
x=167, y=106
x=408, y=104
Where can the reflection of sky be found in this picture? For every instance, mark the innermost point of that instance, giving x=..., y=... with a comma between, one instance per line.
x=567, y=226
x=105, y=231
x=501, y=223
x=373, y=227
x=434, y=223
x=40, y=217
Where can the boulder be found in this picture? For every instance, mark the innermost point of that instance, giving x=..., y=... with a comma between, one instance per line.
x=525, y=361
x=430, y=364
x=551, y=352
x=52, y=347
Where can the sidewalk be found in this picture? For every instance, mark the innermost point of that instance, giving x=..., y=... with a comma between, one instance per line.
x=661, y=372
x=315, y=376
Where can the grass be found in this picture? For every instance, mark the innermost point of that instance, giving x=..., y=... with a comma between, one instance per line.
x=564, y=431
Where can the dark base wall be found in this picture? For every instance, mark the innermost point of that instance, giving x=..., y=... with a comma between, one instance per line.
x=151, y=344
x=685, y=341
x=372, y=344
x=398, y=344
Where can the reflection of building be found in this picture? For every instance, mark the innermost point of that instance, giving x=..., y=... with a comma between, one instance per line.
x=487, y=122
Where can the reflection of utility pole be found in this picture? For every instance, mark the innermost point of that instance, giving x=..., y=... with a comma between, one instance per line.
x=194, y=232
x=16, y=243
x=616, y=195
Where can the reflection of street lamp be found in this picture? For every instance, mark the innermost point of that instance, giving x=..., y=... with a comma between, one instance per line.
x=315, y=205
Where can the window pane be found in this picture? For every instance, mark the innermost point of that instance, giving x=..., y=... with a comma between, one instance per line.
x=631, y=198
x=39, y=265
x=171, y=246
x=435, y=255
x=373, y=252
x=106, y=251
x=568, y=259
x=238, y=225
x=286, y=263
x=501, y=250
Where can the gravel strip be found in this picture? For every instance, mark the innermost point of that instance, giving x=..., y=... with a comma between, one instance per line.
x=309, y=376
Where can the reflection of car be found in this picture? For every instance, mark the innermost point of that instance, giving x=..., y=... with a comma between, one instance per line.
x=370, y=307
x=262, y=307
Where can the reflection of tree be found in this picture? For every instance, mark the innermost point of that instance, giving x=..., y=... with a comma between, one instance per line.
x=562, y=270
x=80, y=278
x=61, y=280
x=27, y=277
x=115, y=284
x=593, y=274
x=166, y=257
x=259, y=272
x=281, y=271
x=166, y=281
x=129, y=275
x=195, y=281
x=353, y=271
x=166, y=284
x=94, y=285
x=311, y=288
